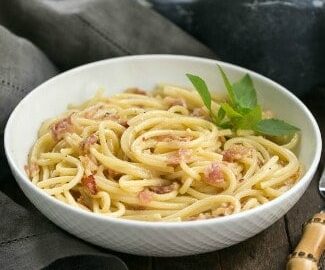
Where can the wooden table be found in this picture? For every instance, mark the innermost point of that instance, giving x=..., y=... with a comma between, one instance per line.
x=267, y=250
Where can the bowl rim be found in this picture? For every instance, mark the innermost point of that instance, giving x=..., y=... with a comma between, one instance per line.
x=159, y=224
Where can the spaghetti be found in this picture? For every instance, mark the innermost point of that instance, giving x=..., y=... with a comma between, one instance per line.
x=156, y=156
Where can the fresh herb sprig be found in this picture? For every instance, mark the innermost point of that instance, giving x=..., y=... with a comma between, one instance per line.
x=241, y=111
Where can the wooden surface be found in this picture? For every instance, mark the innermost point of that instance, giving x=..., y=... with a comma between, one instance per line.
x=267, y=250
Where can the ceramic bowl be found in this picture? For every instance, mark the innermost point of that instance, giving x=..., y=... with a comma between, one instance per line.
x=154, y=238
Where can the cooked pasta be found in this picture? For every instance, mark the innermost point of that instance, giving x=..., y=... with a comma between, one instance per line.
x=156, y=156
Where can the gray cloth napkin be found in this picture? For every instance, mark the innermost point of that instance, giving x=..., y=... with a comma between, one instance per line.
x=44, y=38
x=73, y=32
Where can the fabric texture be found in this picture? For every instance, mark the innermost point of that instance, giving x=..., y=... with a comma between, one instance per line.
x=38, y=39
x=74, y=32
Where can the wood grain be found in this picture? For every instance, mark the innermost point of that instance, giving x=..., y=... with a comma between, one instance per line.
x=267, y=250
x=202, y=261
x=135, y=262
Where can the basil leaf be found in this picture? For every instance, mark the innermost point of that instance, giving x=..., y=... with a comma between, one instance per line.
x=228, y=86
x=250, y=119
x=201, y=88
x=243, y=111
x=226, y=125
x=214, y=118
x=244, y=93
x=221, y=114
x=275, y=127
x=230, y=112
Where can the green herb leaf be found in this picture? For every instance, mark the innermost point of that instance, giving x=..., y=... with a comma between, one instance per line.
x=228, y=86
x=230, y=112
x=226, y=125
x=221, y=115
x=275, y=127
x=202, y=89
x=242, y=111
x=244, y=93
x=249, y=120
x=215, y=118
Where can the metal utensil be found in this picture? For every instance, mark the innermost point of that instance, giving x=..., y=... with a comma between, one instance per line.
x=322, y=184
x=312, y=243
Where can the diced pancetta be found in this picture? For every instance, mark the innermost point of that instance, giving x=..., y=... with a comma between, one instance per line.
x=214, y=175
x=89, y=141
x=32, y=170
x=61, y=127
x=179, y=156
x=235, y=152
x=145, y=196
x=90, y=184
x=163, y=189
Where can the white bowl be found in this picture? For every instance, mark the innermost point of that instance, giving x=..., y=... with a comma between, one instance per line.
x=152, y=238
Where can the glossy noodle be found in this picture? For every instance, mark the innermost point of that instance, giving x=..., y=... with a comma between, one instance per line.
x=156, y=156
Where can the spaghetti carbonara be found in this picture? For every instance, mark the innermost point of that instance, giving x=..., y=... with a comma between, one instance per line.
x=156, y=156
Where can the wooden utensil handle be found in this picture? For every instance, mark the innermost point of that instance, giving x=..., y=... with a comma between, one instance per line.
x=311, y=246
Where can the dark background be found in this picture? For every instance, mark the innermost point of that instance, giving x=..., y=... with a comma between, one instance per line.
x=283, y=40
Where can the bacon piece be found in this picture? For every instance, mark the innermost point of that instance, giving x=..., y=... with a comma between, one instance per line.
x=32, y=170
x=163, y=189
x=179, y=156
x=90, y=183
x=170, y=101
x=84, y=199
x=185, y=154
x=61, y=127
x=86, y=143
x=81, y=200
x=145, y=196
x=236, y=152
x=213, y=174
x=136, y=90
